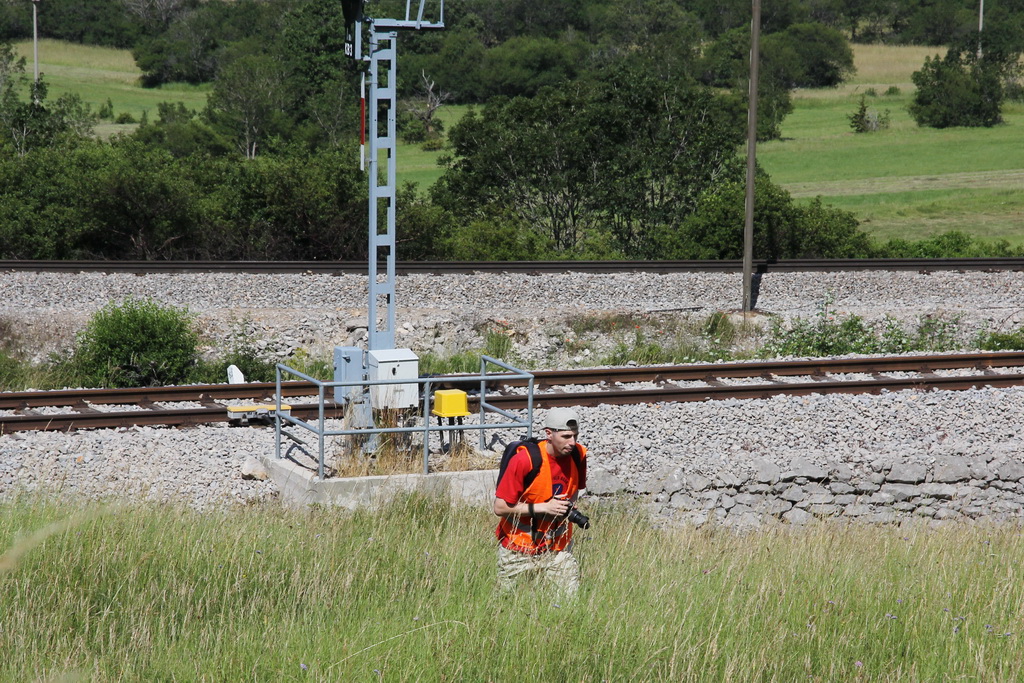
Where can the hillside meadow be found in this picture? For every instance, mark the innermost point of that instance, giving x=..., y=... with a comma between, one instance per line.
x=406, y=592
x=904, y=181
x=99, y=74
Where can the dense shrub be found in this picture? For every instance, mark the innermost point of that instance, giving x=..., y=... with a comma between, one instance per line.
x=136, y=343
x=956, y=91
x=782, y=229
x=129, y=200
x=824, y=55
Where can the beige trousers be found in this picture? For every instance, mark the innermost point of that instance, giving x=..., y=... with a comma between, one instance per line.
x=560, y=569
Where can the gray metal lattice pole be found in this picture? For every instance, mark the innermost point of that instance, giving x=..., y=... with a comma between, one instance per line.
x=381, y=326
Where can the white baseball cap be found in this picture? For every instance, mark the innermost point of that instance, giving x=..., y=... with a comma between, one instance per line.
x=562, y=419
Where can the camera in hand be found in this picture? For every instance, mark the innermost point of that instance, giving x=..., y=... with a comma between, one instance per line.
x=578, y=518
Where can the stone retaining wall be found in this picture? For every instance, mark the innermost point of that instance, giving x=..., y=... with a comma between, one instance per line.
x=947, y=489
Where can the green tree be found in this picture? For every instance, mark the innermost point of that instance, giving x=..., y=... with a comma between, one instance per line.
x=287, y=206
x=824, y=57
x=781, y=228
x=45, y=201
x=33, y=123
x=145, y=206
x=958, y=90
x=530, y=156
x=606, y=161
x=726, y=64
x=523, y=65
x=182, y=132
x=247, y=102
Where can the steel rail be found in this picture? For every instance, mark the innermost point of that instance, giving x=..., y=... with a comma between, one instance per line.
x=169, y=417
x=171, y=394
x=670, y=394
x=813, y=367
x=212, y=414
x=536, y=267
x=582, y=376
x=821, y=370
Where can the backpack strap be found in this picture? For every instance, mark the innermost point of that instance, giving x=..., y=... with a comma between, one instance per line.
x=533, y=448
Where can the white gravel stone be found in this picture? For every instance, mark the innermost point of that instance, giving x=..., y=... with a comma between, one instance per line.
x=635, y=445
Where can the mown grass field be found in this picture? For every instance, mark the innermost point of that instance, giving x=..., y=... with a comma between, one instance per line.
x=906, y=181
x=98, y=74
x=406, y=593
x=902, y=182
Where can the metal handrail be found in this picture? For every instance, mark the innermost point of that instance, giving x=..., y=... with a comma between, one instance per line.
x=513, y=421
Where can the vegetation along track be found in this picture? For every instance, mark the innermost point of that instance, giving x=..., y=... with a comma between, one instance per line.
x=407, y=267
x=96, y=408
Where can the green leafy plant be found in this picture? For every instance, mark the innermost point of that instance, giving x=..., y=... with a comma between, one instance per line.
x=1013, y=340
x=498, y=343
x=835, y=334
x=135, y=343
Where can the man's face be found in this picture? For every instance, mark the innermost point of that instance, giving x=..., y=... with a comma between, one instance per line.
x=562, y=442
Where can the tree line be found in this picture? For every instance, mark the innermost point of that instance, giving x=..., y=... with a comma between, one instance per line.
x=599, y=130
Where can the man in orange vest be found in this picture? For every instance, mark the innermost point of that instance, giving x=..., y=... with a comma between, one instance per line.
x=534, y=532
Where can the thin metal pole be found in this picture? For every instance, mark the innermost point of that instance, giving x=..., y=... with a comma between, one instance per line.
x=748, y=223
x=981, y=24
x=35, y=48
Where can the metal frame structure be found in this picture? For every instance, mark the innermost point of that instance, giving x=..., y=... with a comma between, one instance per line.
x=382, y=57
x=322, y=431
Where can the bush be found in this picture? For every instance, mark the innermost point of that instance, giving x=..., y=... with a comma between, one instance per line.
x=956, y=91
x=782, y=229
x=136, y=343
x=243, y=354
x=823, y=53
x=106, y=111
x=11, y=370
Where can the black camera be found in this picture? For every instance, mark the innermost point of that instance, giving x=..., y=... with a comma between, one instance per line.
x=578, y=518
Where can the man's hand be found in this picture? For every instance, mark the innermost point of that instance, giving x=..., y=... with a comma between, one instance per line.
x=556, y=507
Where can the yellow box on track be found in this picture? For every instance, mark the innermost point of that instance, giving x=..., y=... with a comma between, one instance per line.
x=450, y=403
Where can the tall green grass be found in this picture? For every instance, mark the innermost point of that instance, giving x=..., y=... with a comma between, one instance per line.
x=406, y=593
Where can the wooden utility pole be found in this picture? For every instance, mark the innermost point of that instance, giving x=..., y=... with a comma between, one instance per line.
x=748, y=224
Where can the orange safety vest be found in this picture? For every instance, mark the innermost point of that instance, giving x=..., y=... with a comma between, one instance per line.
x=533, y=536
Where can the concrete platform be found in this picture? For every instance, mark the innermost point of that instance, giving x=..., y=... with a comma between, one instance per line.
x=300, y=486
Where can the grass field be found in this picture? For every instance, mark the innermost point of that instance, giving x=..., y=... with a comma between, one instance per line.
x=906, y=181
x=902, y=182
x=406, y=593
x=98, y=74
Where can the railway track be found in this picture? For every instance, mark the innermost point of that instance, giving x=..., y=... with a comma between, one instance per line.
x=202, y=404
x=538, y=267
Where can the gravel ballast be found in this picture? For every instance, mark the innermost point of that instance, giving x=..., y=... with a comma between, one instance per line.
x=730, y=444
